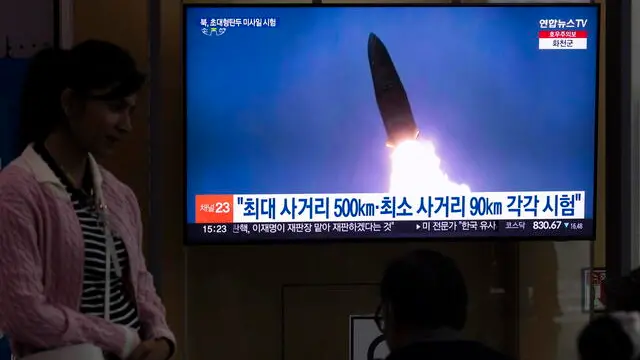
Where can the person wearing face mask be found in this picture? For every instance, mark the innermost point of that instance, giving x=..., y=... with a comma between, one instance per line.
x=423, y=310
x=72, y=267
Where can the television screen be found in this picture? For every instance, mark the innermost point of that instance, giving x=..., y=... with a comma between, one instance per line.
x=337, y=123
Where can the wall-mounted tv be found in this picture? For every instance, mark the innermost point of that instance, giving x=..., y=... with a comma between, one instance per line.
x=351, y=122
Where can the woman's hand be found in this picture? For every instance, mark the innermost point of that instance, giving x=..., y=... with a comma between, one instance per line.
x=154, y=349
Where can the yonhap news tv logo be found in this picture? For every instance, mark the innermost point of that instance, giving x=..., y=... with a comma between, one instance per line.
x=556, y=34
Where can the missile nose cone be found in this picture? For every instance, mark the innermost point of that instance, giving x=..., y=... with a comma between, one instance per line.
x=373, y=47
x=373, y=40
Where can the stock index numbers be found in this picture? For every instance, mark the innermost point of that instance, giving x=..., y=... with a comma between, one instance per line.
x=321, y=216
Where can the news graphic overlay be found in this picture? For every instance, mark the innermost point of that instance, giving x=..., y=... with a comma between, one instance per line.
x=219, y=26
x=347, y=122
x=560, y=34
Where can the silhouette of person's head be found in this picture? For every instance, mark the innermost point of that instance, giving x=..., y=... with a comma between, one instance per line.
x=422, y=294
x=614, y=336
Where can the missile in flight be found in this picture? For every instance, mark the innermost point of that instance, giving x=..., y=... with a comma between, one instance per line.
x=391, y=97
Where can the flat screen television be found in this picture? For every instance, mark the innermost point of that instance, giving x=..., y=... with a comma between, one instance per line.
x=351, y=122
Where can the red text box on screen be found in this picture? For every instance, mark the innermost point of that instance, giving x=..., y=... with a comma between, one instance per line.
x=214, y=209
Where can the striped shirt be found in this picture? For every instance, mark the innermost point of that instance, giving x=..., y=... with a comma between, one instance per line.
x=122, y=309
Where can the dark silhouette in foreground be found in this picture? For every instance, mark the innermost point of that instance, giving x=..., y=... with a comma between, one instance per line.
x=424, y=308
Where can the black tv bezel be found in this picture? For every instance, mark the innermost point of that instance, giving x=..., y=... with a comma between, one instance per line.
x=370, y=239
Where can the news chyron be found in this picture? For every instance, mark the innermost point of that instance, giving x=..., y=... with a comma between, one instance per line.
x=342, y=215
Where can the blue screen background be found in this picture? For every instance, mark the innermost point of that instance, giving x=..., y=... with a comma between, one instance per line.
x=291, y=109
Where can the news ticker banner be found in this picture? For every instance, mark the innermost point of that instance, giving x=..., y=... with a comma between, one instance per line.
x=291, y=208
x=321, y=231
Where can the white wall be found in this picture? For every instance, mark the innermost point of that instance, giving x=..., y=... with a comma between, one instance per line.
x=26, y=26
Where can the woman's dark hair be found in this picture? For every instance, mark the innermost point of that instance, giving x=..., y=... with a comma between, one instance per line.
x=89, y=66
x=604, y=338
x=426, y=291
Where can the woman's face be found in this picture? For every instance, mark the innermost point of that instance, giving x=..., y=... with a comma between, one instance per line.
x=99, y=125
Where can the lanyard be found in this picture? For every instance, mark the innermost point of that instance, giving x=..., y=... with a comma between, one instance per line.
x=111, y=257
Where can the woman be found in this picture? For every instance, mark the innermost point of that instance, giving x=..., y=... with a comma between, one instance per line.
x=71, y=269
